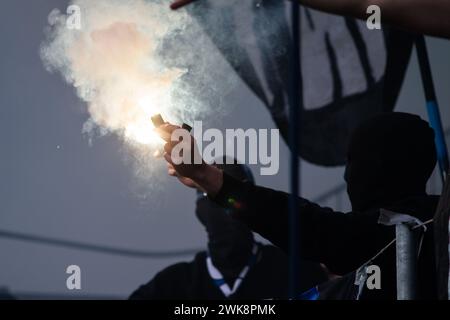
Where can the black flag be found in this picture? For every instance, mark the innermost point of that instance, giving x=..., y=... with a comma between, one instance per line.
x=349, y=73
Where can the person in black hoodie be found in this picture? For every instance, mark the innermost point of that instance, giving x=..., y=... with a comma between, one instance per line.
x=390, y=159
x=235, y=266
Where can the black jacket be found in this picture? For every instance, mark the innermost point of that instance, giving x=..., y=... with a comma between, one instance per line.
x=191, y=280
x=342, y=241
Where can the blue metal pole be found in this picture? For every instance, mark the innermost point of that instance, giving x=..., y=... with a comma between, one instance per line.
x=295, y=101
x=432, y=106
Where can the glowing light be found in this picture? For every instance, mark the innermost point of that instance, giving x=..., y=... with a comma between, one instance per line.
x=141, y=133
x=141, y=129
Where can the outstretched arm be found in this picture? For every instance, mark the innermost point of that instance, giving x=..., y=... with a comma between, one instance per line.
x=341, y=241
x=430, y=17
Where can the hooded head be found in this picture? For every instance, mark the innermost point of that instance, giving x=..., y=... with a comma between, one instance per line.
x=230, y=242
x=390, y=157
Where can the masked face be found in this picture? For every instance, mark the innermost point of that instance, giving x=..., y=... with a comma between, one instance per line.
x=229, y=242
x=390, y=157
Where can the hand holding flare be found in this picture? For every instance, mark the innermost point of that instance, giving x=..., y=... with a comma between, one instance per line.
x=204, y=177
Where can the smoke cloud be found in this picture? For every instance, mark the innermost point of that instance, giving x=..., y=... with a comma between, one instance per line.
x=129, y=60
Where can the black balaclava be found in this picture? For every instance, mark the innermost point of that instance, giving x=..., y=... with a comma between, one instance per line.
x=390, y=158
x=230, y=242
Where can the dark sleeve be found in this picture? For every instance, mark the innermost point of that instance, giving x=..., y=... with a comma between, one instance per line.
x=343, y=241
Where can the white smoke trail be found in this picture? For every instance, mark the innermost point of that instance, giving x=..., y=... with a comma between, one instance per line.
x=123, y=63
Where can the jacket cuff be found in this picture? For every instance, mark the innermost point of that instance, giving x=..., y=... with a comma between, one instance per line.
x=232, y=195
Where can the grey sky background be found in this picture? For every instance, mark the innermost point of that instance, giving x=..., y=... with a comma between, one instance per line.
x=52, y=183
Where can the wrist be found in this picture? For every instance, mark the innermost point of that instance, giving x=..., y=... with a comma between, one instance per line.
x=209, y=178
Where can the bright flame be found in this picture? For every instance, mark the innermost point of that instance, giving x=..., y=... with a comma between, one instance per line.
x=141, y=130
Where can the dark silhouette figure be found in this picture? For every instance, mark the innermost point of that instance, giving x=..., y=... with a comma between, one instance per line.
x=235, y=266
x=390, y=159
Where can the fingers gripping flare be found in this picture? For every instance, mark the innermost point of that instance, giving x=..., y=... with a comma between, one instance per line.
x=180, y=150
